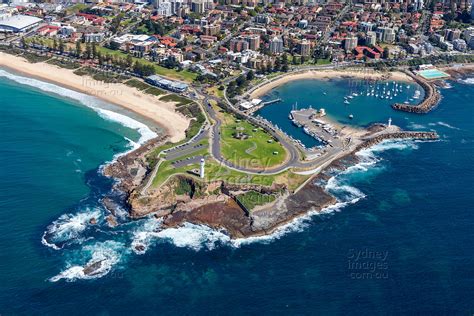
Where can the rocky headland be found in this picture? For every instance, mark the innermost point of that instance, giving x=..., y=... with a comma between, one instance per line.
x=216, y=204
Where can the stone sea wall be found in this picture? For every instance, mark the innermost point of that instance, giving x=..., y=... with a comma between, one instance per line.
x=430, y=101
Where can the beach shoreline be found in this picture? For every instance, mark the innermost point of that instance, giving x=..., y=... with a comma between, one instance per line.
x=149, y=107
x=326, y=75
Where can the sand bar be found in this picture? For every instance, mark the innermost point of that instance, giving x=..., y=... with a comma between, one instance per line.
x=148, y=106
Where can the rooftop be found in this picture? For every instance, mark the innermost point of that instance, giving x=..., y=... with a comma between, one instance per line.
x=19, y=21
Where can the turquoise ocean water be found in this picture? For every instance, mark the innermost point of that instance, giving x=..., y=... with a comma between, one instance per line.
x=399, y=240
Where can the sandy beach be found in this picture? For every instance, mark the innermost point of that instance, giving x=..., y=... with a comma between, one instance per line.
x=148, y=106
x=328, y=74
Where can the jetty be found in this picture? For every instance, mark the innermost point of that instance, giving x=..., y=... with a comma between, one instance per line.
x=271, y=102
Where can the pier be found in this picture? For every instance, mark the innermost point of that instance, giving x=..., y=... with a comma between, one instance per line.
x=271, y=102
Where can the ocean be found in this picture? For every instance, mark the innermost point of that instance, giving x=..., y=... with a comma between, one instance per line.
x=399, y=240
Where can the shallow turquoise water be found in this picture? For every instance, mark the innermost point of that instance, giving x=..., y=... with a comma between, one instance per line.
x=401, y=240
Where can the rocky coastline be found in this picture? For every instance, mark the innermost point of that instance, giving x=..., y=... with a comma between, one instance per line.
x=221, y=210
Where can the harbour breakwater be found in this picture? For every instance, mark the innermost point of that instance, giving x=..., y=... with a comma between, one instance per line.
x=430, y=101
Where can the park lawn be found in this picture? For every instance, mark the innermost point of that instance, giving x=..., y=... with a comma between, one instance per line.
x=251, y=199
x=291, y=179
x=215, y=91
x=179, y=100
x=256, y=151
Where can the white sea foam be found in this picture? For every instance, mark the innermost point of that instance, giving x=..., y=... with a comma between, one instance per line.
x=414, y=125
x=89, y=101
x=199, y=237
x=68, y=227
x=195, y=237
x=108, y=253
x=446, y=125
x=467, y=81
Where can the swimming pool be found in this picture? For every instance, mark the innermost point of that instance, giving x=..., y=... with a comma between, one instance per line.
x=433, y=74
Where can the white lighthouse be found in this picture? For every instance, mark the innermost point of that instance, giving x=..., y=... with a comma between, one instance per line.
x=389, y=121
x=201, y=170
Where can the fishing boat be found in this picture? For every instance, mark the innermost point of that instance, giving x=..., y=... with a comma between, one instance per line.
x=351, y=116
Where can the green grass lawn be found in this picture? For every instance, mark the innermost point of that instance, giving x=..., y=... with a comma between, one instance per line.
x=257, y=151
x=251, y=199
x=63, y=63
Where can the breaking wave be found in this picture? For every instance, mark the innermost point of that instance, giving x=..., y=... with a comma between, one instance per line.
x=95, y=258
x=467, y=81
x=92, y=261
x=68, y=228
x=91, y=102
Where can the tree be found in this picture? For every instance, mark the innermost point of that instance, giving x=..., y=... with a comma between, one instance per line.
x=23, y=43
x=250, y=75
x=88, y=51
x=386, y=53
x=114, y=45
x=61, y=46
x=78, y=49
x=129, y=61
x=100, y=58
x=55, y=45
x=240, y=80
x=94, y=50
x=277, y=66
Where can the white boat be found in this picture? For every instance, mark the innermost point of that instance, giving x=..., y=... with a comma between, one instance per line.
x=351, y=116
x=417, y=94
x=346, y=102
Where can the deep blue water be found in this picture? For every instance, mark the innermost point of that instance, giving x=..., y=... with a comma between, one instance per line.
x=402, y=242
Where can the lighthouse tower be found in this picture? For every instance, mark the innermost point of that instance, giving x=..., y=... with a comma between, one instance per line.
x=389, y=121
x=201, y=170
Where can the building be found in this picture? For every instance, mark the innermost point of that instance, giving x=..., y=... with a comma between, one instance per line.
x=238, y=45
x=386, y=34
x=254, y=41
x=276, y=45
x=304, y=48
x=460, y=45
x=211, y=29
x=370, y=38
x=452, y=35
x=167, y=84
x=19, y=23
x=94, y=37
x=164, y=9
x=263, y=19
x=350, y=43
